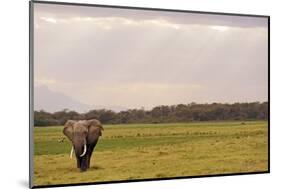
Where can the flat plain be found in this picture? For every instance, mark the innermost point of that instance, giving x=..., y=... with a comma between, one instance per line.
x=144, y=151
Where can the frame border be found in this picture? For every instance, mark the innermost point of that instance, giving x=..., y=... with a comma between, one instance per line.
x=31, y=92
x=31, y=96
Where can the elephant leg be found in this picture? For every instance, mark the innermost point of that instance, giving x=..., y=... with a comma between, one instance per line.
x=91, y=149
x=84, y=165
x=78, y=160
x=89, y=154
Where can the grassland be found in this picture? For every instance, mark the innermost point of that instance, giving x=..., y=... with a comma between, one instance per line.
x=141, y=151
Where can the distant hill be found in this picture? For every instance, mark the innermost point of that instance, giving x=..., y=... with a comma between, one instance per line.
x=114, y=108
x=48, y=100
x=51, y=101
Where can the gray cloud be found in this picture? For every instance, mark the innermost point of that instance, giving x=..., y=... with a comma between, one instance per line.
x=65, y=12
x=138, y=58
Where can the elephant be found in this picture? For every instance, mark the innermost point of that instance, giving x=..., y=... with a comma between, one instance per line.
x=84, y=135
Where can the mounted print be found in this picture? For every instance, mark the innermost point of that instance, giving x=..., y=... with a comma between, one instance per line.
x=121, y=94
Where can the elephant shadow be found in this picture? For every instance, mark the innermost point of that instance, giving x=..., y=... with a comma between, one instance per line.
x=95, y=167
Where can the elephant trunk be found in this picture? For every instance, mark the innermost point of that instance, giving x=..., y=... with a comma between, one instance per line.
x=80, y=147
x=84, y=152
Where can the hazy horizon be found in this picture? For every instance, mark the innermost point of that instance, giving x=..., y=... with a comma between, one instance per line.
x=91, y=56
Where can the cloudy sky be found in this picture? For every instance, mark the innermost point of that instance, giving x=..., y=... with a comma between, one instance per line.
x=104, y=57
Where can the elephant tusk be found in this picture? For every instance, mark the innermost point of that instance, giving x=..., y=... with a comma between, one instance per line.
x=84, y=152
x=71, y=153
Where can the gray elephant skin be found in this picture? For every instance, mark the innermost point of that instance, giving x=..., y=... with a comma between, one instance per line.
x=84, y=135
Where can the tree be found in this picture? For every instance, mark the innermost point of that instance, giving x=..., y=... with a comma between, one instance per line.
x=161, y=114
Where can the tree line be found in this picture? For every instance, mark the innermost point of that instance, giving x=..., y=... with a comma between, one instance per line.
x=161, y=114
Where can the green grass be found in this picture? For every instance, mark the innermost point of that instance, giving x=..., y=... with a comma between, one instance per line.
x=138, y=151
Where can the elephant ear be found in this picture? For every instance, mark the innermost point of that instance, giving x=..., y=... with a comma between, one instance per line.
x=68, y=129
x=94, y=130
x=94, y=123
